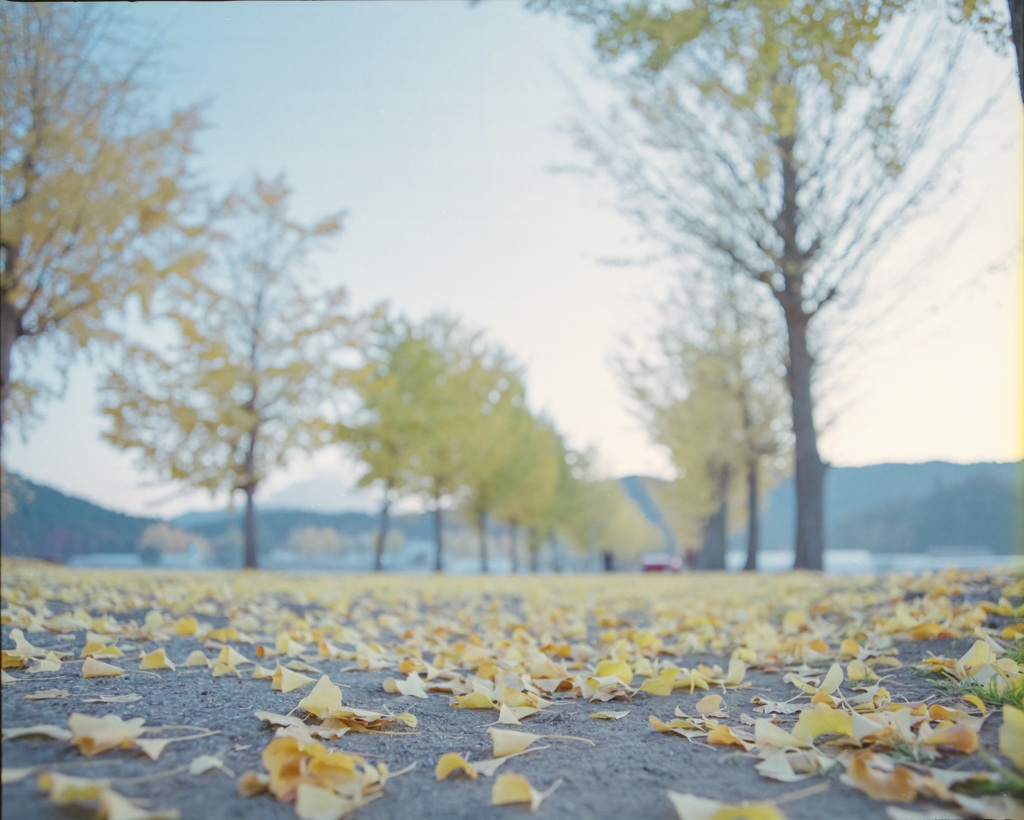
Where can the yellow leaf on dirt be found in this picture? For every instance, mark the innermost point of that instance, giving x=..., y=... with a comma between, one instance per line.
x=197, y=658
x=284, y=680
x=737, y=670
x=514, y=788
x=832, y=679
x=252, y=783
x=722, y=735
x=220, y=669
x=46, y=730
x=14, y=775
x=615, y=668
x=324, y=697
x=710, y=706
x=186, y=626
x=822, y=720
x=64, y=788
x=262, y=672
x=473, y=700
x=1011, y=736
x=661, y=685
x=880, y=779
x=93, y=735
x=51, y=663
x=157, y=659
x=958, y=736
x=231, y=657
x=93, y=668
x=115, y=806
x=978, y=702
x=48, y=694
x=507, y=742
x=206, y=763
x=692, y=807
x=769, y=736
x=412, y=686
x=317, y=803
x=451, y=762
x=608, y=715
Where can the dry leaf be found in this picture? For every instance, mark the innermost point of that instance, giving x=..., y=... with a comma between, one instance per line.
x=514, y=788
x=94, y=735
x=507, y=742
x=692, y=807
x=48, y=694
x=1011, y=736
x=157, y=659
x=451, y=762
x=93, y=668
x=608, y=715
x=324, y=697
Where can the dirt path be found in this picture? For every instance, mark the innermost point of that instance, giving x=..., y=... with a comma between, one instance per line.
x=358, y=631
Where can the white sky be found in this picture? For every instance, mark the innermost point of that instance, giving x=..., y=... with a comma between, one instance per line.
x=435, y=125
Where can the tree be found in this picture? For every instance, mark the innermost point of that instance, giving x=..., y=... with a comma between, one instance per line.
x=95, y=193
x=253, y=362
x=391, y=418
x=161, y=539
x=532, y=478
x=477, y=383
x=607, y=522
x=782, y=143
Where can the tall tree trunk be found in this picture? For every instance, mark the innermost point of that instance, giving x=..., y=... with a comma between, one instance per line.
x=533, y=545
x=712, y=553
x=382, y=529
x=513, y=547
x=810, y=471
x=1017, y=35
x=10, y=330
x=754, y=512
x=251, y=559
x=481, y=528
x=438, y=533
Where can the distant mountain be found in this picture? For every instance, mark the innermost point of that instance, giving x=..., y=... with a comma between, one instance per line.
x=639, y=489
x=334, y=495
x=910, y=507
x=53, y=526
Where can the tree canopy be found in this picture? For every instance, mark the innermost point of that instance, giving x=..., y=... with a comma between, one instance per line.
x=96, y=195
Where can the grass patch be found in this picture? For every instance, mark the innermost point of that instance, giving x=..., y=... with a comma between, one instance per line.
x=991, y=693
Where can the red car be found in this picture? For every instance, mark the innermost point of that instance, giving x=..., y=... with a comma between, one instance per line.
x=661, y=562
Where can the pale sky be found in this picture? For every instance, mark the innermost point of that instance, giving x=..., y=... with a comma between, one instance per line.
x=436, y=126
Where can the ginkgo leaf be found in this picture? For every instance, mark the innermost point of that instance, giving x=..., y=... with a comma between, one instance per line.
x=324, y=697
x=769, y=736
x=661, y=685
x=608, y=715
x=46, y=730
x=615, y=668
x=514, y=788
x=93, y=668
x=450, y=762
x=318, y=803
x=1011, y=736
x=197, y=658
x=472, y=700
x=412, y=686
x=231, y=657
x=93, y=735
x=128, y=698
x=14, y=775
x=878, y=778
x=710, y=706
x=507, y=742
x=822, y=720
x=284, y=680
x=64, y=788
x=48, y=694
x=115, y=806
x=722, y=735
x=157, y=659
x=206, y=763
x=692, y=807
x=958, y=736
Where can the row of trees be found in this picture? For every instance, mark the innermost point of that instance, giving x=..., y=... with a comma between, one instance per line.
x=777, y=148
x=225, y=359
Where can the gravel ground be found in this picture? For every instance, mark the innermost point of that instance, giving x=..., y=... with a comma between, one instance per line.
x=626, y=774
